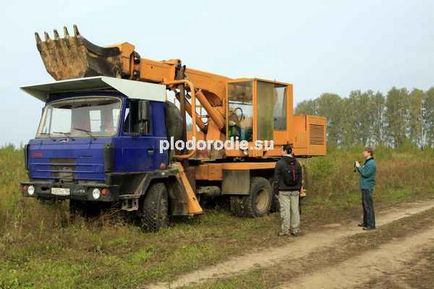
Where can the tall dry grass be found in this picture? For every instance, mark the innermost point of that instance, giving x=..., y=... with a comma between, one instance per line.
x=402, y=175
x=40, y=248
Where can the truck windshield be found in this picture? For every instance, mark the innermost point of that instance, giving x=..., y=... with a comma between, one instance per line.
x=80, y=117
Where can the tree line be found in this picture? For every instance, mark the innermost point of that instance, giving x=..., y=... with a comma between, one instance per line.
x=371, y=118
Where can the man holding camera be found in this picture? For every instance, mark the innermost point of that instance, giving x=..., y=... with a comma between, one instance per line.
x=367, y=173
x=288, y=176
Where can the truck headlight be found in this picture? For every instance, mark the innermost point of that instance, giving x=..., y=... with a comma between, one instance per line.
x=31, y=190
x=96, y=193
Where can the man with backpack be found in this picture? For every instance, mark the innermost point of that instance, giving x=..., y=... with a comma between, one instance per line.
x=288, y=178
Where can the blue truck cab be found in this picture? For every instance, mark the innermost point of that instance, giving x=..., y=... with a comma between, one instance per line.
x=98, y=141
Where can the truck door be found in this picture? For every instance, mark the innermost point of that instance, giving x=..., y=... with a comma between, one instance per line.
x=137, y=140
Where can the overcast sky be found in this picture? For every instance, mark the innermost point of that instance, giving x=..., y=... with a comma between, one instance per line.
x=319, y=46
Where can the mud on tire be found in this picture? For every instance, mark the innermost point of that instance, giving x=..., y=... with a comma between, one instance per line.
x=257, y=203
x=153, y=209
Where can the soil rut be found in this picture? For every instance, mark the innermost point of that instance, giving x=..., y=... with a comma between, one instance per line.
x=296, y=248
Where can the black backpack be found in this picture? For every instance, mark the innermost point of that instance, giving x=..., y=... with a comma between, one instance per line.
x=290, y=174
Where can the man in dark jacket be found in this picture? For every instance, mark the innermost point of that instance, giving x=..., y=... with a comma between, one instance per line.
x=367, y=182
x=287, y=186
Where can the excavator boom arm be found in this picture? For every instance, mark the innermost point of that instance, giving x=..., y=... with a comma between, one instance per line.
x=73, y=56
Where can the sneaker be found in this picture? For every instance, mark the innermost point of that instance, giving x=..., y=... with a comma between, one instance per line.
x=296, y=233
x=369, y=228
x=361, y=225
x=281, y=234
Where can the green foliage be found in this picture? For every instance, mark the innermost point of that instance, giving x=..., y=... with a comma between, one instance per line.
x=370, y=118
x=397, y=103
x=428, y=118
x=415, y=121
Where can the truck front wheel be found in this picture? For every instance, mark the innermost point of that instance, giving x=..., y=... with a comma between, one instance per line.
x=154, y=209
x=257, y=203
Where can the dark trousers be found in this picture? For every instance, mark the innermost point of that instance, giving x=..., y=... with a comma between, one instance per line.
x=368, y=208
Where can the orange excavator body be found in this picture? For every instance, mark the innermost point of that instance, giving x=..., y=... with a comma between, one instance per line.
x=221, y=108
x=209, y=99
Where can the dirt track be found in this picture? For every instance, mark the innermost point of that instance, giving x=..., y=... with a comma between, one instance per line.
x=354, y=271
x=387, y=259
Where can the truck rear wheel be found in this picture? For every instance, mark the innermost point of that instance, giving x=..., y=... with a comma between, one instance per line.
x=257, y=203
x=154, y=209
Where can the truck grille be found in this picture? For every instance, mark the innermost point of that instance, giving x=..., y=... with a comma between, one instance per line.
x=62, y=168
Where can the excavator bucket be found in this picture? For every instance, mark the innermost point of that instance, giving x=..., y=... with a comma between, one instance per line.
x=75, y=56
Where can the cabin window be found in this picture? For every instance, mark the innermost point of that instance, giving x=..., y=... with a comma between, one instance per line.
x=240, y=111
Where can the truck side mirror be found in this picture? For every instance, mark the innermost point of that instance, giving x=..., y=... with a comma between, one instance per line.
x=143, y=117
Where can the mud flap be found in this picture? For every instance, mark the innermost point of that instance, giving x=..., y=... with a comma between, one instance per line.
x=193, y=205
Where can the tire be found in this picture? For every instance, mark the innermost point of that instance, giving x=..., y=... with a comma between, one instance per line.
x=257, y=203
x=154, y=209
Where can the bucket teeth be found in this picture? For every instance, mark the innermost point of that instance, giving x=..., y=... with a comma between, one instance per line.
x=46, y=36
x=76, y=32
x=38, y=39
x=56, y=34
x=72, y=56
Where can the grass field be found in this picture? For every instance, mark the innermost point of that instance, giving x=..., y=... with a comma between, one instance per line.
x=40, y=248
